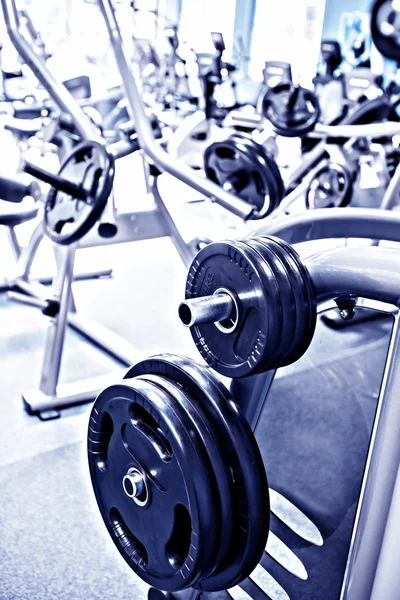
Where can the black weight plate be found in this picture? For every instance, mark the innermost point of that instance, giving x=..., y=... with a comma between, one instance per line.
x=234, y=163
x=292, y=110
x=297, y=323
x=276, y=342
x=229, y=164
x=331, y=187
x=68, y=219
x=250, y=486
x=271, y=174
x=301, y=313
x=171, y=541
x=243, y=350
x=305, y=298
x=211, y=437
x=287, y=297
x=278, y=177
x=304, y=289
x=271, y=163
x=385, y=28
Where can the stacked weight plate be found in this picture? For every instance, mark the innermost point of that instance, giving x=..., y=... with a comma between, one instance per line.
x=178, y=476
x=331, y=187
x=247, y=169
x=291, y=109
x=274, y=315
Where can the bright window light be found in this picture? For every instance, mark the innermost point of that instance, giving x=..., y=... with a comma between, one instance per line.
x=288, y=31
x=200, y=17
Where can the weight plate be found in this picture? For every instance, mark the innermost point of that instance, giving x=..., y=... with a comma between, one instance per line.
x=250, y=486
x=303, y=290
x=278, y=177
x=270, y=160
x=67, y=218
x=292, y=110
x=211, y=438
x=267, y=268
x=287, y=298
x=297, y=322
x=239, y=346
x=236, y=166
x=385, y=28
x=331, y=187
x=272, y=173
x=167, y=531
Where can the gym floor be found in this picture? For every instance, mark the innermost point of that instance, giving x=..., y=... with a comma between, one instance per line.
x=313, y=435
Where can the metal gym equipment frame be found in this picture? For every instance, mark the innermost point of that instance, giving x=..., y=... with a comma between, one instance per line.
x=165, y=162
x=131, y=227
x=370, y=565
x=135, y=226
x=371, y=571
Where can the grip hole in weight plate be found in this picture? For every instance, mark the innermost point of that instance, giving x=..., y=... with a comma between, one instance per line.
x=211, y=174
x=178, y=544
x=148, y=426
x=60, y=224
x=225, y=153
x=228, y=325
x=105, y=432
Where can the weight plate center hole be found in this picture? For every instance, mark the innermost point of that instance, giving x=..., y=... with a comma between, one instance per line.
x=229, y=324
x=135, y=487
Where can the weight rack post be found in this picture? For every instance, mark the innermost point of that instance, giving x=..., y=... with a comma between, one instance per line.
x=373, y=512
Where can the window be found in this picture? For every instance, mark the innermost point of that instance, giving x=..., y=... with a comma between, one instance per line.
x=200, y=17
x=289, y=31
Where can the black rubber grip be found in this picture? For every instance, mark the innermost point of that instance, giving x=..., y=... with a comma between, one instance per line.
x=12, y=190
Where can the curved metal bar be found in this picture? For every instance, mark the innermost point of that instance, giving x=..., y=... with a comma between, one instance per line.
x=371, y=273
x=389, y=128
x=56, y=89
x=161, y=159
x=325, y=223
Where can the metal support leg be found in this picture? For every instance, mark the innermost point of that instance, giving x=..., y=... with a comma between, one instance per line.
x=146, y=172
x=58, y=257
x=391, y=198
x=24, y=265
x=378, y=486
x=50, y=395
x=250, y=393
x=56, y=332
x=12, y=236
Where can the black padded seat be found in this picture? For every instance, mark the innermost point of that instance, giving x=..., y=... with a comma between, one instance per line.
x=14, y=214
